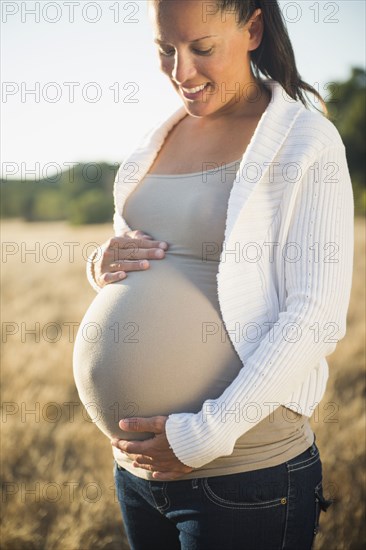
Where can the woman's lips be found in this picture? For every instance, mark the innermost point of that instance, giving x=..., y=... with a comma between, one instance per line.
x=193, y=95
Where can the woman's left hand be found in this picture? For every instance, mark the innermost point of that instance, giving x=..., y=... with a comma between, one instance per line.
x=153, y=454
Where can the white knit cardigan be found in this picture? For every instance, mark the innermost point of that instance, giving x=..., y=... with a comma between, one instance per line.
x=285, y=270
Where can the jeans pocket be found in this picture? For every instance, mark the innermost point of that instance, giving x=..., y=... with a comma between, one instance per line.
x=252, y=506
x=240, y=491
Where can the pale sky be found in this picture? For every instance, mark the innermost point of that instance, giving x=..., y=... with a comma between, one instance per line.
x=103, y=54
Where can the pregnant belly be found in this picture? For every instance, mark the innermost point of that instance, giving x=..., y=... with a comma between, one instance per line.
x=154, y=344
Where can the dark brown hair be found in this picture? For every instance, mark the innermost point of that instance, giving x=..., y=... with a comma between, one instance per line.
x=274, y=58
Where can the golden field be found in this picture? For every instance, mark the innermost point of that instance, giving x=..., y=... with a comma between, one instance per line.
x=56, y=469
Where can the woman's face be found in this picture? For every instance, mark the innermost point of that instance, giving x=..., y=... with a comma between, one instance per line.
x=200, y=46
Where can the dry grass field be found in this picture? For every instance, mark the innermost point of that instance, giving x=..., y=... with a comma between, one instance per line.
x=56, y=469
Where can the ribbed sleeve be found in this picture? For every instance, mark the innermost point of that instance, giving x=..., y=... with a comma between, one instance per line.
x=318, y=285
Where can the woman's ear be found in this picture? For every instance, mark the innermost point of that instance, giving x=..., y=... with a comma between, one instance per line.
x=255, y=29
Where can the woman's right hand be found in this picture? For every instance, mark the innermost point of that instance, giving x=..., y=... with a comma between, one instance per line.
x=130, y=252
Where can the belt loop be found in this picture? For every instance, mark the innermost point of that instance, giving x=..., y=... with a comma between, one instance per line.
x=313, y=449
x=194, y=483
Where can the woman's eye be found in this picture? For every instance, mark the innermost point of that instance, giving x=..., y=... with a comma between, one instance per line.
x=162, y=52
x=203, y=52
x=199, y=52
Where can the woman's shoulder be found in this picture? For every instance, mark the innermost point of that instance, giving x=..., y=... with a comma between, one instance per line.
x=315, y=127
x=308, y=130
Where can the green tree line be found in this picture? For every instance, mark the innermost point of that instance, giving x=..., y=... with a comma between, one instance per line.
x=347, y=111
x=83, y=194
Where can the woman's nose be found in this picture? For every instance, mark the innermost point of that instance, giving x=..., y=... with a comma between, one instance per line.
x=183, y=68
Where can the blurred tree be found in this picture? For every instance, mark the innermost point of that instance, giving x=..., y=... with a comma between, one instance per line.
x=80, y=180
x=49, y=205
x=11, y=196
x=347, y=109
x=91, y=207
x=55, y=199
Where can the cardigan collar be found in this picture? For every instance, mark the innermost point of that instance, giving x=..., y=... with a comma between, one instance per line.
x=271, y=132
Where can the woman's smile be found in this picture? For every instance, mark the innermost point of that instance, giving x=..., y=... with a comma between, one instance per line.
x=194, y=93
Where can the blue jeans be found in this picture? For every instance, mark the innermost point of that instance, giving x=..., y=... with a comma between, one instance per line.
x=269, y=509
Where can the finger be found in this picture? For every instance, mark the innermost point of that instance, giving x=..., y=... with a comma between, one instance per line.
x=133, y=447
x=145, y=460
x=107, y=278
x=137, y=233
x=122, y=243
x=153, y=424
x=140, y=253
x=147, y=467
x=127, y=265
x=131, y=456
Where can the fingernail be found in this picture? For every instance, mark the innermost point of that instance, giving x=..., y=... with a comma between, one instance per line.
x=144, y=263
x=163, y=245
x=159, y=253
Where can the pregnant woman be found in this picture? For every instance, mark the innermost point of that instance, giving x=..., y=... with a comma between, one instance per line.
x=204, y=363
